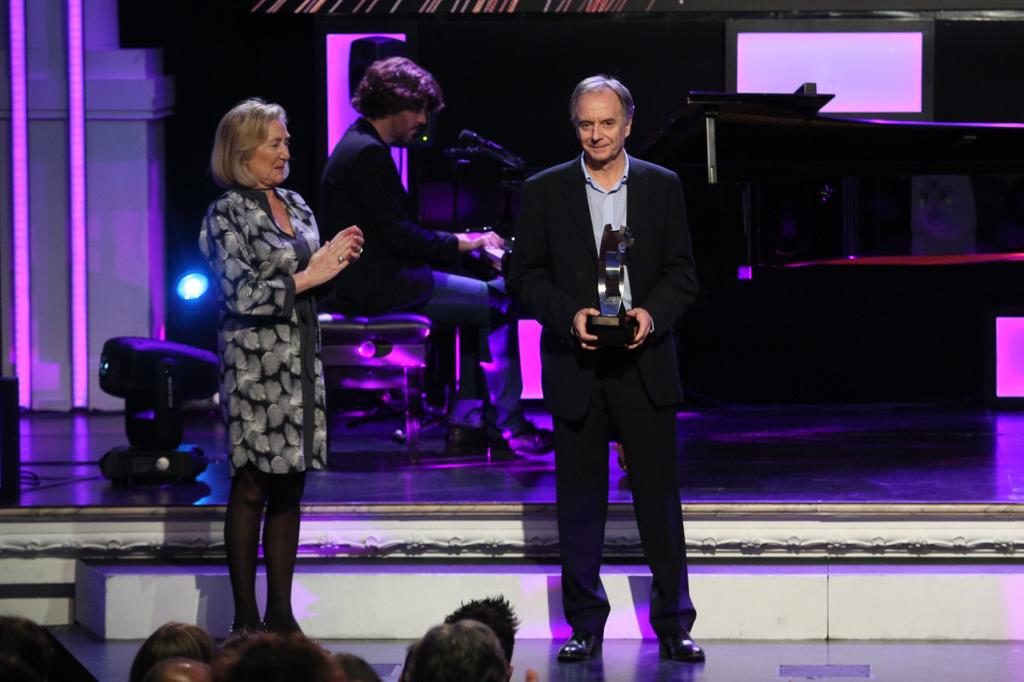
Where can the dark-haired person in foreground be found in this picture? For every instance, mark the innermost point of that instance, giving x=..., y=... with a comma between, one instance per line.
x=404, y=267
x=26, y=641
x=464, y=651
x=497, y=614
x=13, y=668
x=179, y=670
x=590, y=390
x=355, y=668
x=273, y=657
x=172, y=640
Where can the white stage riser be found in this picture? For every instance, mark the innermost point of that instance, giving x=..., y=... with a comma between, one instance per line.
x=39, y=548
x=40, y=588
x=734, y=602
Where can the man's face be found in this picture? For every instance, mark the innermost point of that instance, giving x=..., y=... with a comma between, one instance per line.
x=406, y=124
x=602, y=126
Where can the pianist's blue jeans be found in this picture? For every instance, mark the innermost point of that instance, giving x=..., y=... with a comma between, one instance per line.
x=489, y=373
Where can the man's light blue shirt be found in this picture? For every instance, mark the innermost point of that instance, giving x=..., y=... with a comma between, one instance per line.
x=608, y=207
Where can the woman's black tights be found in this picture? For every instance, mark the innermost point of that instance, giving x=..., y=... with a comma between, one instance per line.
x=252, y=491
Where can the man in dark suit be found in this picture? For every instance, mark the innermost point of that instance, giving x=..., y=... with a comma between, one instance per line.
x=403, y=267
x=594, y=391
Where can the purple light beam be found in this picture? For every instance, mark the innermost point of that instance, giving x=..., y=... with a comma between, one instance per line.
x=20, y=188
x=79, y=256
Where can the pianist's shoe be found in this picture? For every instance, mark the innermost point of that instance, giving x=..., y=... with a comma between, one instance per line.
x=465, y=441
x=530, y=440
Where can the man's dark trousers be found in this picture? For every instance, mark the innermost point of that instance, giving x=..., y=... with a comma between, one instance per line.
x=648, y=436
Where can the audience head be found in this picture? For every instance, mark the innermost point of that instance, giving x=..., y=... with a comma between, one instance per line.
x=391, y=86
x=356, y=669
x=172, y=640
x=179, y=670
x=12, y=668
x=464, y=651
x=497, y=614
x=276, y=658
x=26, y=641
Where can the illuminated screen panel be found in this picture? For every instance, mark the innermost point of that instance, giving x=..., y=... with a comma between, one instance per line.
x=340, y=114
x=868, y=72
x=1009, y=363
x=871, y=68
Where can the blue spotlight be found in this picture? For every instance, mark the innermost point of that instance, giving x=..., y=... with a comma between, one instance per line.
x=192, y=285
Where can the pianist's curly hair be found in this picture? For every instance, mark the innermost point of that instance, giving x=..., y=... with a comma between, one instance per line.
x=396, y=84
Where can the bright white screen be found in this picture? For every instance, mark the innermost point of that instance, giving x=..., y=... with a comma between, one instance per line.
x=877, y=72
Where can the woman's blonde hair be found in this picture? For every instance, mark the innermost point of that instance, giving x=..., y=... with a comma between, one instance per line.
x=239, y=132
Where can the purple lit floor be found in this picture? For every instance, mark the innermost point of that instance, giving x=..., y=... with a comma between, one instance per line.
x=871, y=454
x=861, y=454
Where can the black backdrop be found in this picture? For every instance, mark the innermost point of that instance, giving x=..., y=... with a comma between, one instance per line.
x=508, y=78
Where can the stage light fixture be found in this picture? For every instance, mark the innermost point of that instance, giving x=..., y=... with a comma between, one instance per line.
x=192, y=285
x=155, y=377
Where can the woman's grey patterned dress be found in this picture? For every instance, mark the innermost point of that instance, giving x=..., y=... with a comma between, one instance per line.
x=271, y=379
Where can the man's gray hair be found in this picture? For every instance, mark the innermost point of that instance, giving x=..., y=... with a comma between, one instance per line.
x=601, y=82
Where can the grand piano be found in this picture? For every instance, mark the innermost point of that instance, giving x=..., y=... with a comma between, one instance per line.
x=784, y=184
x=843, y=259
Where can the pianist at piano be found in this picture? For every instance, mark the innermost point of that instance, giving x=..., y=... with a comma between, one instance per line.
x=403, y=265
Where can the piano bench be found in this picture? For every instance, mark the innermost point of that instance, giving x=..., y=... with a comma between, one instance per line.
x=378, y=353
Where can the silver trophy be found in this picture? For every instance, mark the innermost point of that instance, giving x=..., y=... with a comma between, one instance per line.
x=612, y=327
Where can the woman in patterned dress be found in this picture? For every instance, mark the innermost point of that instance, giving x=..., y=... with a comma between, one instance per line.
x=263, y=245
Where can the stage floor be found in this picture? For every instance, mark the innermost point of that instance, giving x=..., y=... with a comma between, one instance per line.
x=637, y=661
x=834, y=495
x=797, y=454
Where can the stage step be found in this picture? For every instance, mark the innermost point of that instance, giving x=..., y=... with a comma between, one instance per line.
x=400, y=600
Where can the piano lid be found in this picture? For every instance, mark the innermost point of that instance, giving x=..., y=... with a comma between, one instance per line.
x=759, y=104
x=779, y=135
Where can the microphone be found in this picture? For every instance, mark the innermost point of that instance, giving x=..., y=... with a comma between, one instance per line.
x=492, y=149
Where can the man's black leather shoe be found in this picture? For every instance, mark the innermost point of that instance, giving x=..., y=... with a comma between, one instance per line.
x=465, y=440
x=680, y=647
x=582, y=646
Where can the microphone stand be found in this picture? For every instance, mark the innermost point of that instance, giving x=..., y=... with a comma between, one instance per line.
x=459, y=165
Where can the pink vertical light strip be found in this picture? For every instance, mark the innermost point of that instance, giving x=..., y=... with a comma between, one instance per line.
x=529, y=359
x=76, y=153
x=19, y=187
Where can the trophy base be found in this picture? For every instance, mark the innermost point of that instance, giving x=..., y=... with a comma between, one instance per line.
x=612, y=331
